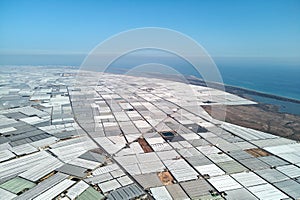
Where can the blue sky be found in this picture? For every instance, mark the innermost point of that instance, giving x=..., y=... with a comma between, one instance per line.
x=269, y=28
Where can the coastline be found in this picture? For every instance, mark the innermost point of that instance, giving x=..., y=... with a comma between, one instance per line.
x=241, y=90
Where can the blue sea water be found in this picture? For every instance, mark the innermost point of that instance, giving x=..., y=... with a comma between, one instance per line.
x=277, y=80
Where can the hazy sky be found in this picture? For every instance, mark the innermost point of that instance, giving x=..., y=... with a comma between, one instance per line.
x=224, y=28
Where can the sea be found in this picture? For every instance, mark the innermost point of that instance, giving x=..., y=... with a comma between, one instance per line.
x=275, y=78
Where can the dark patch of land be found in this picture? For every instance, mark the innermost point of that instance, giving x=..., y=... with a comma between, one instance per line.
x=262, y=117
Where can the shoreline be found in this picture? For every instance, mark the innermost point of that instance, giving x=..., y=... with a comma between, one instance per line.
x=236, y=89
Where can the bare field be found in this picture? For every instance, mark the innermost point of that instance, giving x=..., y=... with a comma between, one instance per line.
x=264, y=118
